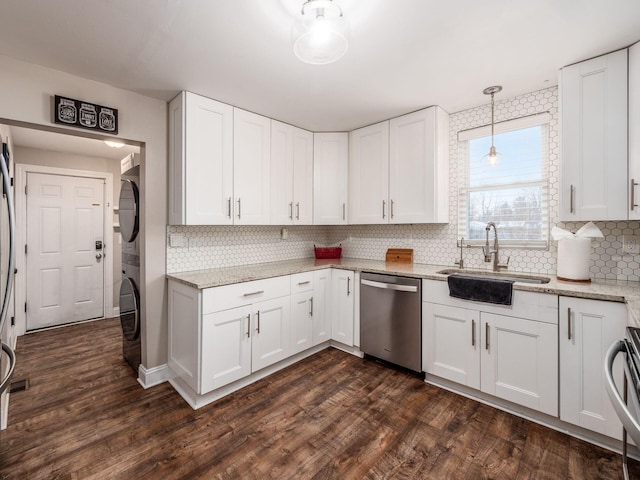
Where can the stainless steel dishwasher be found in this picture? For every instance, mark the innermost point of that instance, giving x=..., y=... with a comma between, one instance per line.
x=390, y=319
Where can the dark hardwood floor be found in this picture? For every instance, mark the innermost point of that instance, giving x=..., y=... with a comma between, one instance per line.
x=332, y=416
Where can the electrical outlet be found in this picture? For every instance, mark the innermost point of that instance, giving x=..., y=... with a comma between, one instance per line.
x=631, y=244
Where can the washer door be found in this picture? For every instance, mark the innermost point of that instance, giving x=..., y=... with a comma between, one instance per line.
x=129, y=309
x=128, y=204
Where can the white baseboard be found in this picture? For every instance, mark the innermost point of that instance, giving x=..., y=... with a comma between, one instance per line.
x=153, y=376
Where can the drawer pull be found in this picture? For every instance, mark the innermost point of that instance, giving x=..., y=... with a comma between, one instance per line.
x=253, y=293
x=304, y=283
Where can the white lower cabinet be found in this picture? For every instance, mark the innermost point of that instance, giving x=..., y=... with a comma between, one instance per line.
x=587, y=330
x=302, y=306
x=321, y=307
x=271, y=335
x=495, y=351
x=342, y=306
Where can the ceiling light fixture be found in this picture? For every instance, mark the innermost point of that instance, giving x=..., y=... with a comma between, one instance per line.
x=320, y=35
x=114, y=144
x=492, y=156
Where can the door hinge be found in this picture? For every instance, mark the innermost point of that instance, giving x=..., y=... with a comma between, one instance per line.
x=25, y=248
x=12, y=181
x=13, y=321
x=25, y=307
x=25, y=189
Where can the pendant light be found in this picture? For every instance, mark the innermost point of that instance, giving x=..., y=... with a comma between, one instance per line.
x=492, y=156
x=320, y=34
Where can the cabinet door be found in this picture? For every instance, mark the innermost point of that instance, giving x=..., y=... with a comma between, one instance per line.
x=226, y=347
x=330, y=174
x=201, y=161
x=342, y=300
x=594, y=139
x=302, y=177
x=321, y=316
x=634, y=131
x=271, y=336
x=519, y=361
x=369, y=174
x=418, y=167
x=587, y=330
x=281, y=173
x=251, y=168
x=451, y=343
x=301, y=321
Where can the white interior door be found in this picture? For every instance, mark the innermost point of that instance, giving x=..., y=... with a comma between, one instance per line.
x=65, y=272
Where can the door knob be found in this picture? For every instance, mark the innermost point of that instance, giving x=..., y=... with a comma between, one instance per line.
x=98, y=256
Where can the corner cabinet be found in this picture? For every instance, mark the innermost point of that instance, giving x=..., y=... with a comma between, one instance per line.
x=587, y=330
x=251, y=168
x=291, y=175
x=200, y=161
x=594, y=101
x=330, y=172
x=510, y=352
x=399, y=170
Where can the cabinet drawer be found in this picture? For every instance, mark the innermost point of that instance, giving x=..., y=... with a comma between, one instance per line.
x=301, y=282
x=239, y=294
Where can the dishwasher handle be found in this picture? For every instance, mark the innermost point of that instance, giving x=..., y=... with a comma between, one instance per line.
x=390, y=286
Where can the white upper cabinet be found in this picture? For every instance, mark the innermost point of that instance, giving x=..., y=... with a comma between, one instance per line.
x=419, y=167
x=330, y=173
x=251, y=168
x=200, y=161
x=369, y=174
x=399, y=170
x=291, y=175
x=594, y=139
x=634, y=131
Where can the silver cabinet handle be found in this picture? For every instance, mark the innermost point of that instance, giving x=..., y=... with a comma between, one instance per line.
x=258, y=317
x=344, y=211
x=248, y=325
x=297, y=210
x=383, y=205
x=229, y=207
x=634, y=184
x=389, y=286
x=311, y=307
x=258, y=292
x=568, y=323
x=238, y=207
x=486, y=335
x=571, y=193
x=304, y=283
x=290, y=210
x=391, y=208
x=473, y=333
x=348, y=286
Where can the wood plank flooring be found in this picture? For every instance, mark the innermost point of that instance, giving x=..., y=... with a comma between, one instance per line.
x=331, y=416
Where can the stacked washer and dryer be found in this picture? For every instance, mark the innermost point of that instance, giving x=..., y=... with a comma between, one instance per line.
x=129, y=212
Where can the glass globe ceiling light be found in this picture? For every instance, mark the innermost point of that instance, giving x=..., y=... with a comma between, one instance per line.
x=492, y=156
x=320, y=35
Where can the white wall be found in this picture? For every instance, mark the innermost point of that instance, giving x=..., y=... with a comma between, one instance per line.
x=46, y=158
x=25, y=95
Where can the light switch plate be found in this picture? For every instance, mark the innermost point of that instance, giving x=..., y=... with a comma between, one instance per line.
x=631, y=244
x=176, y=240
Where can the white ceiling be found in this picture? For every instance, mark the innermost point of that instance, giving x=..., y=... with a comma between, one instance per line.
x=403, y=54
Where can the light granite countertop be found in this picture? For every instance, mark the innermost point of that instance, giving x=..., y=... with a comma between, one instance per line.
x=610, y=290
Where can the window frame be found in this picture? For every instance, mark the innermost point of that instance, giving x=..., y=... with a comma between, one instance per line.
x=464, y=190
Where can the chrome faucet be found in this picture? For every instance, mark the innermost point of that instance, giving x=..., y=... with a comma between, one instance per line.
x=486, y=249
x=460, y=261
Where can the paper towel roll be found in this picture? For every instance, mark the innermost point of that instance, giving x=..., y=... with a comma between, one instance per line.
x=574, y=259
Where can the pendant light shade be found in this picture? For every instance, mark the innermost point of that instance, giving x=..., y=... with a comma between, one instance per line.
x=492, y=156
x=320, y=34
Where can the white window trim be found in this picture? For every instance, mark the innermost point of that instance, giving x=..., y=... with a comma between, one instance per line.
x=543, y=118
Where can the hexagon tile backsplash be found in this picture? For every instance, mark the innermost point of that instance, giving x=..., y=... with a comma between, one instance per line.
x=222, y=246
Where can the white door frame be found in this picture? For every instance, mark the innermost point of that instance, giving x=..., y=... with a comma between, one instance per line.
x=21, y=235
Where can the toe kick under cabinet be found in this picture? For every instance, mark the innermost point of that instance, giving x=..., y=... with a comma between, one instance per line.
x=510, y=352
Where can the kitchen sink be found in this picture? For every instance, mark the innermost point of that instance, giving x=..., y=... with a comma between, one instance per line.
x=498, y=275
